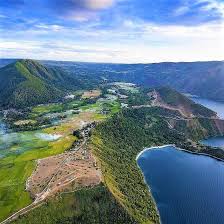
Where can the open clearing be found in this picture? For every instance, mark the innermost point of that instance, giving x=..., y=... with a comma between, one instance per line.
x=55, y=173
x=91, y=94
x=26, y=147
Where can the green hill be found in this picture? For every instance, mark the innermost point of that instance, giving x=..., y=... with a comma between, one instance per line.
x=172, y=99
x=27, y=82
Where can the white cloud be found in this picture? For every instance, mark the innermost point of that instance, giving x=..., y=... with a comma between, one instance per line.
x=130, y=42
x=213, y=5
x=98, y=4
x=181, y=10
x=52, y=27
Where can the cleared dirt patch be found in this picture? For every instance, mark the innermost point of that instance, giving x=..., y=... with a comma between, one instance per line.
x=64, y=171
x=24, y=122
x=91, y=94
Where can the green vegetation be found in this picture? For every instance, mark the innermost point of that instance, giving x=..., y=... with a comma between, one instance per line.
x=15, y=170
x=174, y=98
x=139, y=98
x=22, y=84
x=23, y=148
x=116, y=144
x=25, y=83
x=94, y=206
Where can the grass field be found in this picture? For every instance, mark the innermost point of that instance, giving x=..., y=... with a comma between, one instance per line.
x=16, y=168
x=22, y=149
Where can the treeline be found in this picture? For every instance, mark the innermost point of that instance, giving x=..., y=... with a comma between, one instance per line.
x=116, y=144
x=95, y=206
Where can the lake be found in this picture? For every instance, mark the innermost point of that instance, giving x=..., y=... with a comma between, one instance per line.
x=216, y=106
x=187, y=188
x=214, y=142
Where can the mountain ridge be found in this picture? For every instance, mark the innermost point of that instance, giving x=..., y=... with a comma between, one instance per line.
x=26, y=82
x=171, y=99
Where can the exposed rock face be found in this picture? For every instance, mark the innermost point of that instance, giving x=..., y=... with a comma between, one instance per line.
x=171, y=99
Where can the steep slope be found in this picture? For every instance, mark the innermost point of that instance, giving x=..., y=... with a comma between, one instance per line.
x=205, y=79
x=27, y=82
x=171, y=99
x=23, y=83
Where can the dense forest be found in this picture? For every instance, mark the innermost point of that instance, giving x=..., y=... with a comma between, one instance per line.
x=117, y=142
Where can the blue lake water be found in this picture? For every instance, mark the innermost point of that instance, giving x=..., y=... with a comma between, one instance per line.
x=214, y=142
x=187, y=188
x=216, y=106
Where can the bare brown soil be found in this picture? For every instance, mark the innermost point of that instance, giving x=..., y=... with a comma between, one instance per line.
x=65, y=171
x=91, y=94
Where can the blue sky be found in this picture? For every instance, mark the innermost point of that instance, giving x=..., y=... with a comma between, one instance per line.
x=125, y=31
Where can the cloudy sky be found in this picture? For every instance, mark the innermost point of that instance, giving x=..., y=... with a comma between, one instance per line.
x=124, y=31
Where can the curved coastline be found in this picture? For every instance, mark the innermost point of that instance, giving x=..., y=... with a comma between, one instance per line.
x=137, y=157
x=178, y=148
x=153, y=147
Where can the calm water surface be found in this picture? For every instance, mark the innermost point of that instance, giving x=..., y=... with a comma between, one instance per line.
x=214, y=142
x=187, y=188
x=216, y=106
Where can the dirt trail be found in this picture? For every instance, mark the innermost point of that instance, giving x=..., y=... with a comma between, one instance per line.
x=77, y=165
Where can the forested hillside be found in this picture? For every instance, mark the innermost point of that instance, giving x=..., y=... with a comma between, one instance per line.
x=171, y=98
x=117, y=142
x=84, y=206
x=26, y=82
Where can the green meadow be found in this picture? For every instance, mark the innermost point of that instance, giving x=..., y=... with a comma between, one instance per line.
x=20, y=150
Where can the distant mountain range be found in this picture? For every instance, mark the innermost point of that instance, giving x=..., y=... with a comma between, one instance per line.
x=28, y=82
x=205, y=79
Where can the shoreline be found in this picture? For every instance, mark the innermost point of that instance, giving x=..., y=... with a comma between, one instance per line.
x=147, y=185
x=161, y=147
x=153, y=147
x=180, y=149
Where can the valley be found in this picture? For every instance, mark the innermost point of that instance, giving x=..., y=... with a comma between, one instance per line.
x=111, y=111
x=22, y=150
x=82, y=146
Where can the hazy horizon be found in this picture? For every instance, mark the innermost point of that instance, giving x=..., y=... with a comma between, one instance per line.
x=101, y=62
x=114, y=31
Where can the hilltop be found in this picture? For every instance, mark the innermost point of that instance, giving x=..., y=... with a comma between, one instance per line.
x=27, y=82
